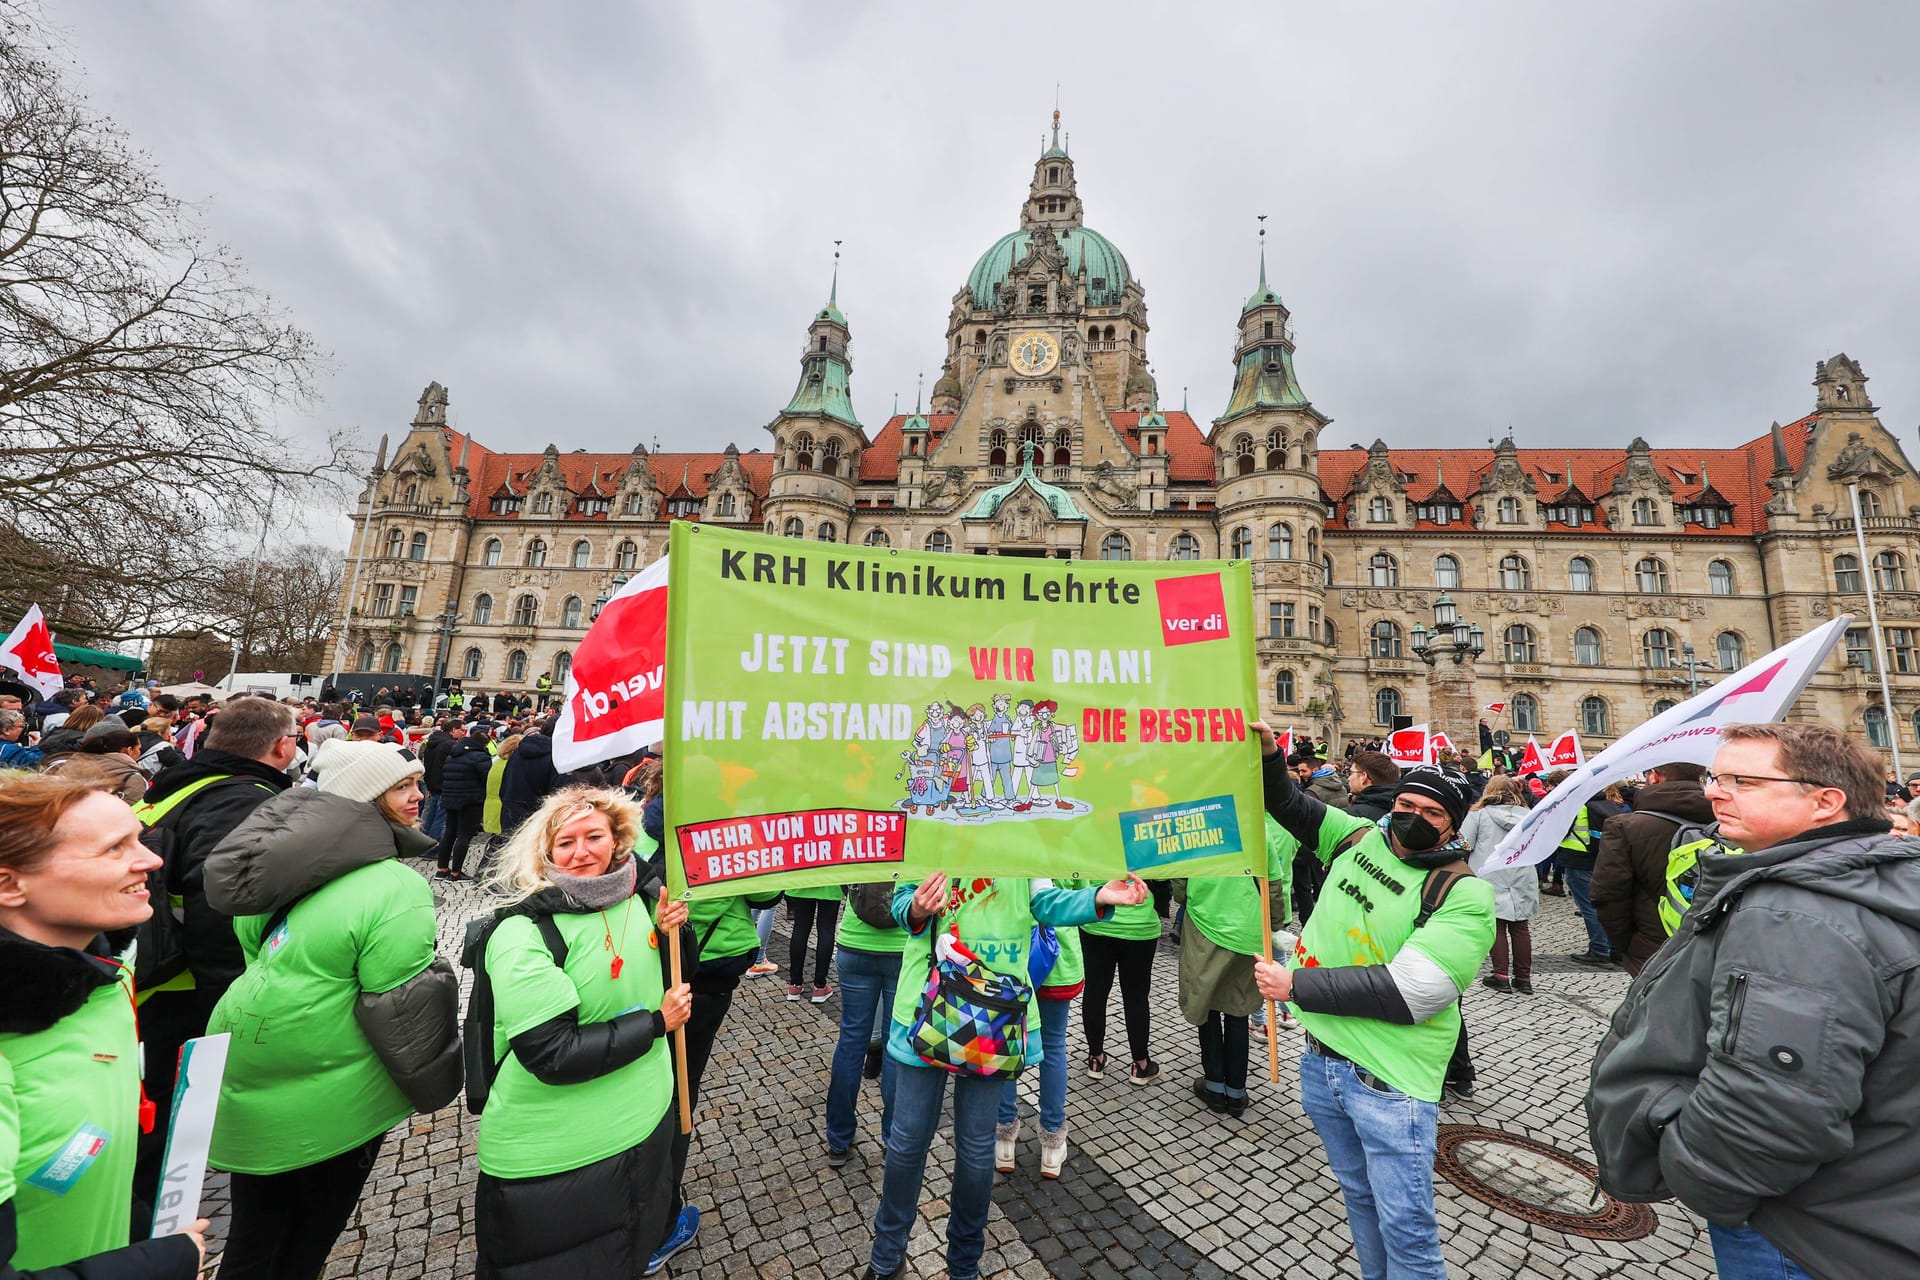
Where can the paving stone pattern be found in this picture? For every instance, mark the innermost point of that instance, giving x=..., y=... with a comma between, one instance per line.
x=1155, y=1187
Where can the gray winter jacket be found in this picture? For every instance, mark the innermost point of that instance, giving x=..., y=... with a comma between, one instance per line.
x=302, y=839
x=1765, y=1066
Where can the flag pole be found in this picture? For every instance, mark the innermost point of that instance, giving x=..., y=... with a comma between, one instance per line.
x=1266, y=950
x=1873, y=620
x=679, y=1041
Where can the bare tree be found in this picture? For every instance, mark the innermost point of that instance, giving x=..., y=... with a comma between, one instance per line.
x=141, y=372
x=280, y=609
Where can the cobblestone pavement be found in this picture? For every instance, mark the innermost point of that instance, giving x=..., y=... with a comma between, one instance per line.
x=1156, y=1187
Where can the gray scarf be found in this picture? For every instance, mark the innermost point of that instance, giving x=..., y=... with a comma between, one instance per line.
x=597, y=893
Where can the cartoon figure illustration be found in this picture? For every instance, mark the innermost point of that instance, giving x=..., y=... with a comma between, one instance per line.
x=932, y=735
x=977, y=752
x=953, y=750
x=1022, y=749
x=1049, y=748
x=926, y=784
x=1000, y=747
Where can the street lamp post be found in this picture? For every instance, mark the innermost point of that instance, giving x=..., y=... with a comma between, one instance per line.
x=1449, y=687
x=447, y=619
x=1695, y=665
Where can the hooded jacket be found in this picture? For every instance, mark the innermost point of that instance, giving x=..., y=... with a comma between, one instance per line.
x=463, y=776
x=1516, y=890
x=1765, y=1066
x=1373, y=803
x=67, y=1059
x=433, y=757
x=1630, y=873
x=365, y=1016
x=529, y=779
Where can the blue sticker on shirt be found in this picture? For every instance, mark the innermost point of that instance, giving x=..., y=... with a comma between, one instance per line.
x=278, y=938
x=71, y=1162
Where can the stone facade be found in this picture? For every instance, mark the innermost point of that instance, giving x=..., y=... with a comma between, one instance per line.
x=1588, y=570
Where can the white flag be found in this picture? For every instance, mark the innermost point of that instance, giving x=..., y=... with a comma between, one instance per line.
x=1759, y=692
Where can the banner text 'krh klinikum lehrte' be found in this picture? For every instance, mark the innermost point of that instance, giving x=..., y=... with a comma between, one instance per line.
x=839, y=714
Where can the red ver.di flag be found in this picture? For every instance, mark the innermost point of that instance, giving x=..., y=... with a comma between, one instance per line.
x=29, y=650
x=1409, y=746
x=616, y=687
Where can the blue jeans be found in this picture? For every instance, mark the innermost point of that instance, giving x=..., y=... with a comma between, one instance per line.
x=918, y=1095
x=1380, y=1143
x=1580, y=885
x=763, y=928
x=433, y=818
x=1741, y=1253
x=866, y=980
x=1053, y=1070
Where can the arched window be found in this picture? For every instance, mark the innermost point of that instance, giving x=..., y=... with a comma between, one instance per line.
x=1580, y=574
x=1890, y=571
x=1386, y=705
x=1379, y=510
x=940, y=540
x=803, y=451
x=1446, y=573
x=1877, y=734
x=830, y=456
x=396, y=543
x=412, y=495
x=878, y=538
x=1185, y=547
x=570, y=611
x=582, y=553
x=1108, y=334
x=482, y=609
x=391, y=663
x=1383, y=570
x=634, y=505
x=625, y=555
x=562, y=664
x=1276, y=449
x=826, y=532
x=1586, y=647
x=1730, y=651
x=1062, y=448
x=363, y=661
x=490, y=555
x=1243, y=543
x=1663, y=705
x=418, y=549
x=1520, y=645
x=1526, y=713
x=1515, y=574
x=1650, y=575
x=1720, y=578
x=1657, y=648
x=727, y=506
x=1869, y=503
x=1283, y=692
x=536, y=554
x=997, y=448
x=1384, y=639
x=517, y=666
x=1116, y=547
x=1333, y=637
x=526, y=610
x=1508, y=511
x=1313, y=545
x=1594, y=721
x=795, y=527
x=1243, y=455
x=1643, y=512
x=543, y=504
x=1280, y=542
x=1846, y=573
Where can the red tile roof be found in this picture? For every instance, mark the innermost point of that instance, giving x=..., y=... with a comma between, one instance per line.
x=1189, y=460
x=489, y=471
x=1738, y=474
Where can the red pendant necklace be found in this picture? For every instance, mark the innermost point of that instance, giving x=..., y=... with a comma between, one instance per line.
x=619, y=962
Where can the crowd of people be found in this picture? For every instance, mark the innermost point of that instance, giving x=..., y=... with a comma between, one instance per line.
x=266, y=868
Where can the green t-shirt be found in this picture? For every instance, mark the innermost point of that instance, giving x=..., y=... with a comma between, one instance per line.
x=856, y=934
x=1136, y=922
x=302, y=1082
x=1070, y=970
x=1227, y=908
x=530, y=1129
x=996, y=919
x=723, y=927
x=817, y=892
x=69, y=1119
x=1364, y=915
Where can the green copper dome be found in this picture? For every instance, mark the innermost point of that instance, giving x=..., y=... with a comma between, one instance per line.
x=1087, y=250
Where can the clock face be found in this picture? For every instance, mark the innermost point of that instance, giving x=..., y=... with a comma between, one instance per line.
x=1034, y=354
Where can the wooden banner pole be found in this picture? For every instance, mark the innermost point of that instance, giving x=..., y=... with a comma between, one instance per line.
x=680, y=1041
x=1266, y=948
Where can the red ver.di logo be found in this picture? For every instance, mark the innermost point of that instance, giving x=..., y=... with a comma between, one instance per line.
x=1192, y=609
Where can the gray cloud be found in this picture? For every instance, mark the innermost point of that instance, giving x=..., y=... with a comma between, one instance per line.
x=603, y=224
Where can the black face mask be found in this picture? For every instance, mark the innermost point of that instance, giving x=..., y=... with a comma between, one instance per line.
x=1413, y=832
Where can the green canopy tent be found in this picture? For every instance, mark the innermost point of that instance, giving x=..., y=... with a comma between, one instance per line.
x=73, y=655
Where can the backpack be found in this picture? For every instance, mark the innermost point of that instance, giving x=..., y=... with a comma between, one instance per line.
x=160, y=941
x=476, y=1026
x=1690, y=840
x=873, y=903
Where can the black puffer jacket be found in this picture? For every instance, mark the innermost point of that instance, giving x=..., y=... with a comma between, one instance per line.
x=433, y=758
x=1374, y=802
x=528, y=780
x=463, y=778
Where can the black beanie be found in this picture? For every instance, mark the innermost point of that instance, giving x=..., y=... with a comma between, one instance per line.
x=1445, y=786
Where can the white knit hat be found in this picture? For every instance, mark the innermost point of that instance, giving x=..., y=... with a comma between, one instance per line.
x=364, y=770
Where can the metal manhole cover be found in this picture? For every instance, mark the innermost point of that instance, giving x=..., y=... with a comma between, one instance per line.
x=1536, y=1183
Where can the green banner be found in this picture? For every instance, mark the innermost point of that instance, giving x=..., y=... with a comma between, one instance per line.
x=839, y=714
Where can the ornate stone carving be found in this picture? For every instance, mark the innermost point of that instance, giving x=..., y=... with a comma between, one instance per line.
x=1539, y=602
x=1372, y=598
x=1106, y=481
x=1656, y=607
x=1861, y=461
x=1023, y=522
x=941, y=482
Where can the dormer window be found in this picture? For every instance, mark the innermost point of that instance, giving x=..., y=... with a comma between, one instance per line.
x=1508, y=511
x=594, y=506
x=504, y=505
x=1643, y=512
x=1706, y=516
x=1053, y=173
x=634, y=505
x=681, y=508
x=1269, y=330
x=1099, y=282
x=1380, y=510
x=726, y=504
x=543, y=505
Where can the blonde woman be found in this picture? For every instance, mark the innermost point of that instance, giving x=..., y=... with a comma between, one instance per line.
x=576, y=1140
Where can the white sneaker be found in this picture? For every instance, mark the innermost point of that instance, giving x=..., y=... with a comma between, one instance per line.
x=1053, y=1151
x=1005, y=1136
x=1287, y=1021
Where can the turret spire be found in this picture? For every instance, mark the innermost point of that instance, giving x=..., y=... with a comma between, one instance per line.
x=833, y=294
x=1263, y=251
x=919, y=382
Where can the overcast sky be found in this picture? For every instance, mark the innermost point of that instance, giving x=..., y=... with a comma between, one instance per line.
x=602, y=224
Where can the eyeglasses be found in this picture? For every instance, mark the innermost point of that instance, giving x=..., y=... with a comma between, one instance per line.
x=1748, y=781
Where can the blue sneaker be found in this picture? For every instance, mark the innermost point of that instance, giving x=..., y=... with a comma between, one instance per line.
x=683, y=1233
